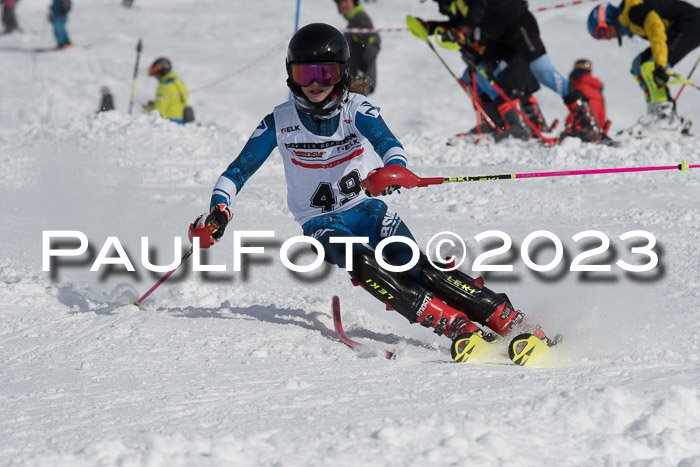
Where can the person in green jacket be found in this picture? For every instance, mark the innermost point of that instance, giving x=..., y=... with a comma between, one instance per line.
x=171, y=95
x=364, y=47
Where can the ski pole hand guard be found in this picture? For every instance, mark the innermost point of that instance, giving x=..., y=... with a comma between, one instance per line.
x=202, y=232
x=386, y=191
x=450, y=38
x=394, y=176
x=418, y=27
x=209, y=227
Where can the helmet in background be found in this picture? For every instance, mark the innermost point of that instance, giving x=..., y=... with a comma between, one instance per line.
x=160, y=67
x=602, y=18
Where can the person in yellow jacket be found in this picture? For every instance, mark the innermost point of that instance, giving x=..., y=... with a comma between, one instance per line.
x=673, y=29
x=171, y=95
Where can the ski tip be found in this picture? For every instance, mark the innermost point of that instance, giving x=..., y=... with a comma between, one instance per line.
x=468, y=347
x=527, y=350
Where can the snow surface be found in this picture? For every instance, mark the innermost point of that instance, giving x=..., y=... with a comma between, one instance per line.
x=243, y=368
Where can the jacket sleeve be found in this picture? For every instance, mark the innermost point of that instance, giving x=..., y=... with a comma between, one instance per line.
x=475, y=15
x=655, y=30
x=371, y=125
x=255, y=152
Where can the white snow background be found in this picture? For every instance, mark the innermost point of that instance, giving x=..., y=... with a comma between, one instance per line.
x=243, y=368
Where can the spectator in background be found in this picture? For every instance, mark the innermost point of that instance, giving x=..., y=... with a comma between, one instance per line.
x=364, y=47
x=58, y=16
x=171, y=95
x=582, y=78
x=107, y=101
x=9, y=18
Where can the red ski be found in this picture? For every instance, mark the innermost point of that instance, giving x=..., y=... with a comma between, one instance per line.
x=338, y=324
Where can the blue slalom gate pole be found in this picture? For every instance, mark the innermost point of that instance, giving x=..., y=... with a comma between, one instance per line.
x=296, y=21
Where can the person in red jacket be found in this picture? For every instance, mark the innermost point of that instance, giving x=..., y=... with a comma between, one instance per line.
x=582, y=79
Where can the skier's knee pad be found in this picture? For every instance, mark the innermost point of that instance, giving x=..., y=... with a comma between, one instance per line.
x=397, y=291
x=468, y=295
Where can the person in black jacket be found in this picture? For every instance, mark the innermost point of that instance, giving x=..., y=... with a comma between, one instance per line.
x=364, y=47
x=510, y=33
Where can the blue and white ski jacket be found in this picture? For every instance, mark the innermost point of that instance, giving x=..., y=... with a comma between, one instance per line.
x=324, y=160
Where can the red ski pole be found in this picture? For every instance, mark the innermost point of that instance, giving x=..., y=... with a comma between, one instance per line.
x=477, y=105
x=139, y=302
x=475, y=97
x=398, y=175
x=418, y=29
x=205, y=240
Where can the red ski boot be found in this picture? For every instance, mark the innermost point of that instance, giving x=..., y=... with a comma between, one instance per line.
x=468, y=340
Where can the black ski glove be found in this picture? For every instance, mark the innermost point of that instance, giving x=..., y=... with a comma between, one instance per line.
x=220, y=215
x=457, y=35
x=660, y=76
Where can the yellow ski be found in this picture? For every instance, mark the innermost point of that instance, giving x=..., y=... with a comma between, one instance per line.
x=527, y=349
x=469, y=346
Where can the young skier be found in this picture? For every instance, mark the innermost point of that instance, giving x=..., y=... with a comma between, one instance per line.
x=58, y=16
x=330, y=141
x=364, y=47
x=673, y=29
x=509, y=30
x=171, y=95
x=582, y=78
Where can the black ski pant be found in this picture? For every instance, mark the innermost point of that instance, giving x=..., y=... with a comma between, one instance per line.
x=9, y=19
x=522, y=38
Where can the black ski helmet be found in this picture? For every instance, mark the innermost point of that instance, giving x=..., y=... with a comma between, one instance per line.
x=161, y=66
x=319, y=43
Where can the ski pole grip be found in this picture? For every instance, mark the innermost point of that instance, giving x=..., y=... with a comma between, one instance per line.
x=395, y=175
x=203, y=233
